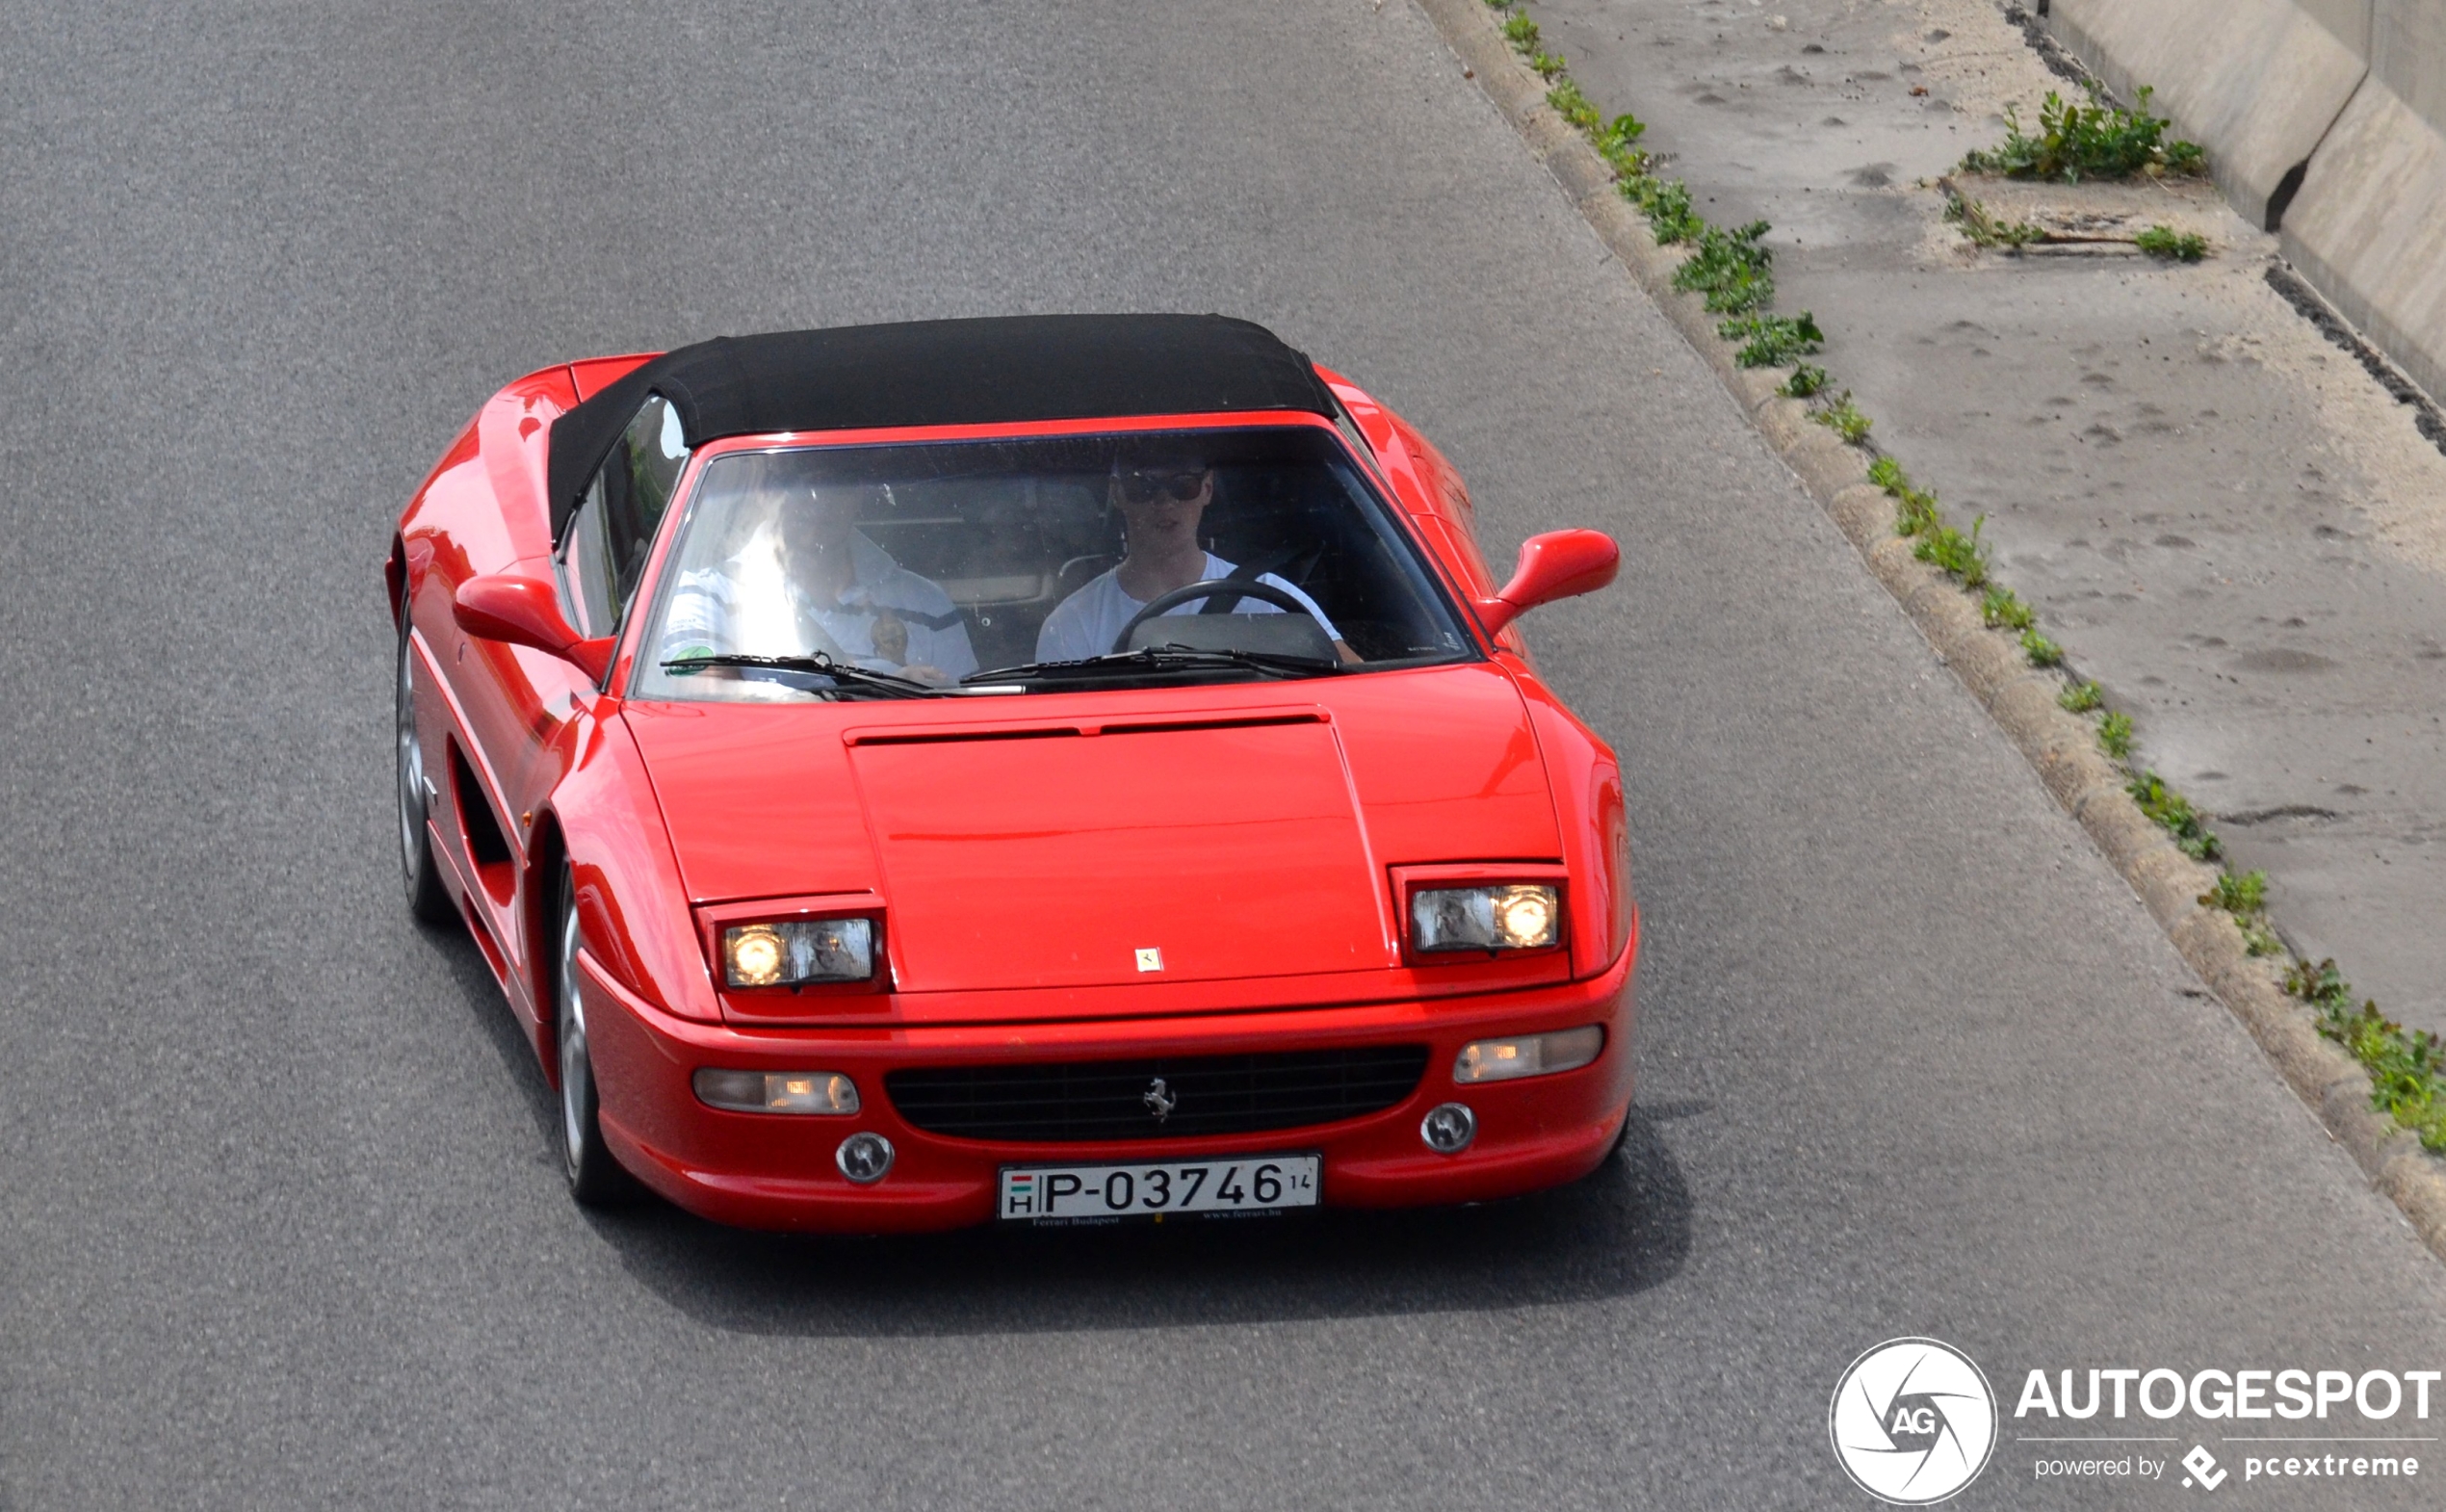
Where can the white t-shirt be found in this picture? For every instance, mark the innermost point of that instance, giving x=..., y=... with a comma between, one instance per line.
x=1086, y=623
x=749, y=605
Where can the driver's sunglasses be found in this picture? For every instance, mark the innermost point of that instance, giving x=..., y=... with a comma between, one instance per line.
x=1147, y=487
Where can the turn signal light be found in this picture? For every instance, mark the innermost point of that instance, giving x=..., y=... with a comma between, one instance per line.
x=825, y=1093
x=1529, y=1056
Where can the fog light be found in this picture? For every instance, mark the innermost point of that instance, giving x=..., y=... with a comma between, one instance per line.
x=1450, y=1128
x=864, y=1158
x=1529, y=1056
x=827, y=1092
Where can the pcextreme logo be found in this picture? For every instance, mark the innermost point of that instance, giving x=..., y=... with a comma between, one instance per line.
x=1913, y=1421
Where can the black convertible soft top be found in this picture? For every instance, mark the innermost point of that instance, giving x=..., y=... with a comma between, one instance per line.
x=942, y=373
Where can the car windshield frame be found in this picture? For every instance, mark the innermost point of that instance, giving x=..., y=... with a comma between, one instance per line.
x=1430, y=580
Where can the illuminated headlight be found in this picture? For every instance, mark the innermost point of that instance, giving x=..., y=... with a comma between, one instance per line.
x=826, y=1092
x=1529, y=1056
x=799, y=951
x=1504, y=915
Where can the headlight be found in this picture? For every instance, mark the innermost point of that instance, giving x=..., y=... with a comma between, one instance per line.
x=1501, y=916
x=827, y=1092
x=1529, y=1056
x=798, y=951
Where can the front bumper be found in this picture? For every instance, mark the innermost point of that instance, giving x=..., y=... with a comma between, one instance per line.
x=768, y=1171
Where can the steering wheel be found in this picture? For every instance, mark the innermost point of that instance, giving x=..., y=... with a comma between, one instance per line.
x=1248, y=587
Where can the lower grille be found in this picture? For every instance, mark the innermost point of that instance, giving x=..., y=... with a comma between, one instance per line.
x=1118, y=1099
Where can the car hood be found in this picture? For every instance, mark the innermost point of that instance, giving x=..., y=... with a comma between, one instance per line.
x=1096, y=840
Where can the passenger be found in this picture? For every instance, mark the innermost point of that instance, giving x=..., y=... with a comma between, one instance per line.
x=807, y=580
x=1161, y=504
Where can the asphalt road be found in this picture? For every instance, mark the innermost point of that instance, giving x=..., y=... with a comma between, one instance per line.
x=278, y=1225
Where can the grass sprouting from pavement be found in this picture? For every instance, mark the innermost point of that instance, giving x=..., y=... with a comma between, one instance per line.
x=2076, y=141
x=1986, y=230
x=1773, y=341
x=2174, y=814
x=1732, y=267
x=2408, y=1068
x=2165, y=242
x=1844, y=418
x=2114, y=735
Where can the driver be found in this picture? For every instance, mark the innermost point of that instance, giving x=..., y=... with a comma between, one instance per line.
x=807, y=580
x=1160, y=501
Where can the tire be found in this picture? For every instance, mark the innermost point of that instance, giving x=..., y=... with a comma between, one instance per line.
x=426, y=897
x=595, y=1179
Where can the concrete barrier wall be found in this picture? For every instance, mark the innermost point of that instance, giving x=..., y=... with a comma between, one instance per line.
x=2347, y=19
x=2324, y=119
x=2255, y=81
x=2368, y=229
x=2408, y=53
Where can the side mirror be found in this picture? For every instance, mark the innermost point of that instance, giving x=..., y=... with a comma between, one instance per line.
x=1557, y=565
x=526, y=613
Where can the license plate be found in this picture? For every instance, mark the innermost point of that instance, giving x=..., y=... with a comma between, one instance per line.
x=1102, y=1194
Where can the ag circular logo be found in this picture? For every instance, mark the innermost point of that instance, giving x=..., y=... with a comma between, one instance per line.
x=1913, y=1421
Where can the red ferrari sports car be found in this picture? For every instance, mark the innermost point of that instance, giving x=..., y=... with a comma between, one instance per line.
x=1038, y=769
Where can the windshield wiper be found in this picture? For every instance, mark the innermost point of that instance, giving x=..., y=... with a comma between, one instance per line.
x=890, y=683
x=1160, y=659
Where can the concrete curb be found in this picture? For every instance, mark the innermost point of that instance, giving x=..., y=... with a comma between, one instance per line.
x=2060, y=747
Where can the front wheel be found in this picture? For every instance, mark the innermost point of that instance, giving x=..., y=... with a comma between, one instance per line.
x=595, y=1179
x=427, y=898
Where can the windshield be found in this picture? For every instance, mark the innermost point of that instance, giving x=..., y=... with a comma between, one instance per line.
x=964, y=566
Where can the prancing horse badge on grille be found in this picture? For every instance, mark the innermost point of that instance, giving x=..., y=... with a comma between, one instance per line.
x=1160, y=1099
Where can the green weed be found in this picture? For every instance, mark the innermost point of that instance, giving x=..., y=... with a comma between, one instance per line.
x=2162, y=241
x=1666, y=202
x=1731, y=268
x=2245, y=898
x=1575, y=107
x=2093, y=141
x=1956, y=554
x=1547, y=65
x=1807, y=378
x=1986, y=230
x=2244, y=894
x=2174, y=814
x=1845, y=418
x=1617, y=142
x=1774, y=340
x=2408, y=1068
x=2003, y=609
x=1915, y=513
x=2114, y=735
x=1521, y=33
x=2082, y=698
x=2041, y=651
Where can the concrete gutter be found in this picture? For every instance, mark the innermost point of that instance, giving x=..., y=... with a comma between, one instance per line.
x=2060, y=746
x=2324, y=119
